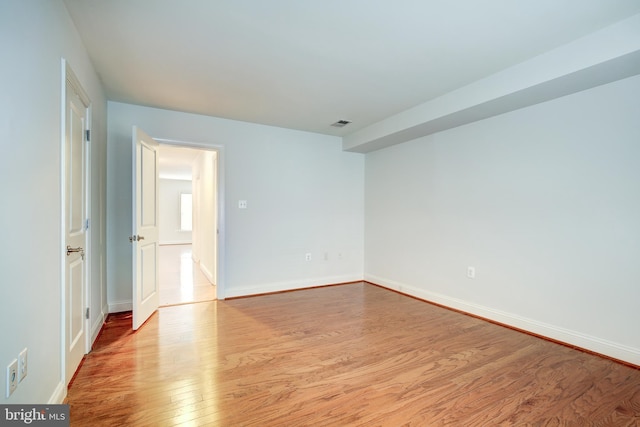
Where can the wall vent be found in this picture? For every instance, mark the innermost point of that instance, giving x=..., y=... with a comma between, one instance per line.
x=341, y=123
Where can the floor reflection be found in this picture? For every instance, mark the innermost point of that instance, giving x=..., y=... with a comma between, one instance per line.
x=181, y=280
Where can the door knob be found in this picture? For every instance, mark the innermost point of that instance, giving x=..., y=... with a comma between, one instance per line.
x=135, y=238
x=71, y=250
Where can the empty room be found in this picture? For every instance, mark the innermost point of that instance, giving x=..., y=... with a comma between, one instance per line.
x=410, y=213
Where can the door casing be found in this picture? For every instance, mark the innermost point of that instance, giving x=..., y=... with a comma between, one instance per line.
x=70, y=79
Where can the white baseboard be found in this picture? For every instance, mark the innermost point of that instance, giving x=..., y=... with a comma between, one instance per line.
x=175, y=242
x=97, y=325
x=573, y=338
x=207, y=273
x=266, y=288
x=58, y=394
x=120, y=306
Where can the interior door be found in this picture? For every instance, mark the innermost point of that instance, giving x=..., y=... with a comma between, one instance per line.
x=76, y=125
x=146, y=296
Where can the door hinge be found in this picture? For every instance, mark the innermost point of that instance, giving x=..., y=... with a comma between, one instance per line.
x=87, y=314
x=88, y=134
x=86, y=224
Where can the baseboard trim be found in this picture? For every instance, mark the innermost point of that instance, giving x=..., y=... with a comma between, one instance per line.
x=120, y=306
x=207, y=273
x=97, y=326
x=294, y=285
x=59, y=394
x=620, y=353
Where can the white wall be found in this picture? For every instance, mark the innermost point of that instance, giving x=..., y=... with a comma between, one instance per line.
x=170, y=190
x=34, y=36
x=304, y=195
x=544, y=202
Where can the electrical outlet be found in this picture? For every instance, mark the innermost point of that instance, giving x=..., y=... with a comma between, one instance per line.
x=308, y=256
x=12, y=377
x=471, y=272
x=22, y=365
x=242, y=204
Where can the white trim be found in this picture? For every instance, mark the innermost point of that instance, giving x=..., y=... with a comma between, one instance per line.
x=105, y=311
x=207, y=273
x=58, y=395
x=63, y=278
x=120, y=306
x=292, y=285
x=175, y=242
x=567, y=336
x=88, y=231
x=69, y=78
x=96, y=328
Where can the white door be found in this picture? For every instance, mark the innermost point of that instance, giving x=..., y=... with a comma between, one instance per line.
x=145, y=227
x=76, y=125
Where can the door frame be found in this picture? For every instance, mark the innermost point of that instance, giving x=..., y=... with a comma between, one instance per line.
x=69, y=76
x=220, y=250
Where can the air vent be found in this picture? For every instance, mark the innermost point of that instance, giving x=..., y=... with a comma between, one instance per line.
x=341, y=123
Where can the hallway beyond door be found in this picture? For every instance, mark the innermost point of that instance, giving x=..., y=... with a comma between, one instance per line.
x=181, y=280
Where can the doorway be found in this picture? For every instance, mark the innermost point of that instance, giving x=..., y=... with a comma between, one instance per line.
x=188, y=224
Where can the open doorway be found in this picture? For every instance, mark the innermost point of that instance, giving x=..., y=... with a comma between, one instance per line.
x=188, y=224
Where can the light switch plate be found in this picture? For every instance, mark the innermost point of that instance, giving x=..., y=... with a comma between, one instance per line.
x=22, y=365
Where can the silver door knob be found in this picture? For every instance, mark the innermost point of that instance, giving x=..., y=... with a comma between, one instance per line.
x=71, y=250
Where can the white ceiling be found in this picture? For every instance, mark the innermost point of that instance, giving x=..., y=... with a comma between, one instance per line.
x=306, y=64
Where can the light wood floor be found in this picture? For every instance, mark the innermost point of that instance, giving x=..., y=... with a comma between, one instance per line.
x=339, y=356
x=180, y=279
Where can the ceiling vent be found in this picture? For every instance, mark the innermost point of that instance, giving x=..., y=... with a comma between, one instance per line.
x=341, y=123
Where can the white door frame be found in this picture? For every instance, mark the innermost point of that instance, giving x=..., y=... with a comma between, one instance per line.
x=220, y=250
x=68, y=75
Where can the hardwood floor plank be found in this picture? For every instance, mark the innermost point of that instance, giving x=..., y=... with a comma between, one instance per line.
x=343, y=355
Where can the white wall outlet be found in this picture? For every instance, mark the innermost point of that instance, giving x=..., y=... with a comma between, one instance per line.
x=242, y=204
x=12, y=377
x=308, y=256
x=22, y=365
x=471, y=272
